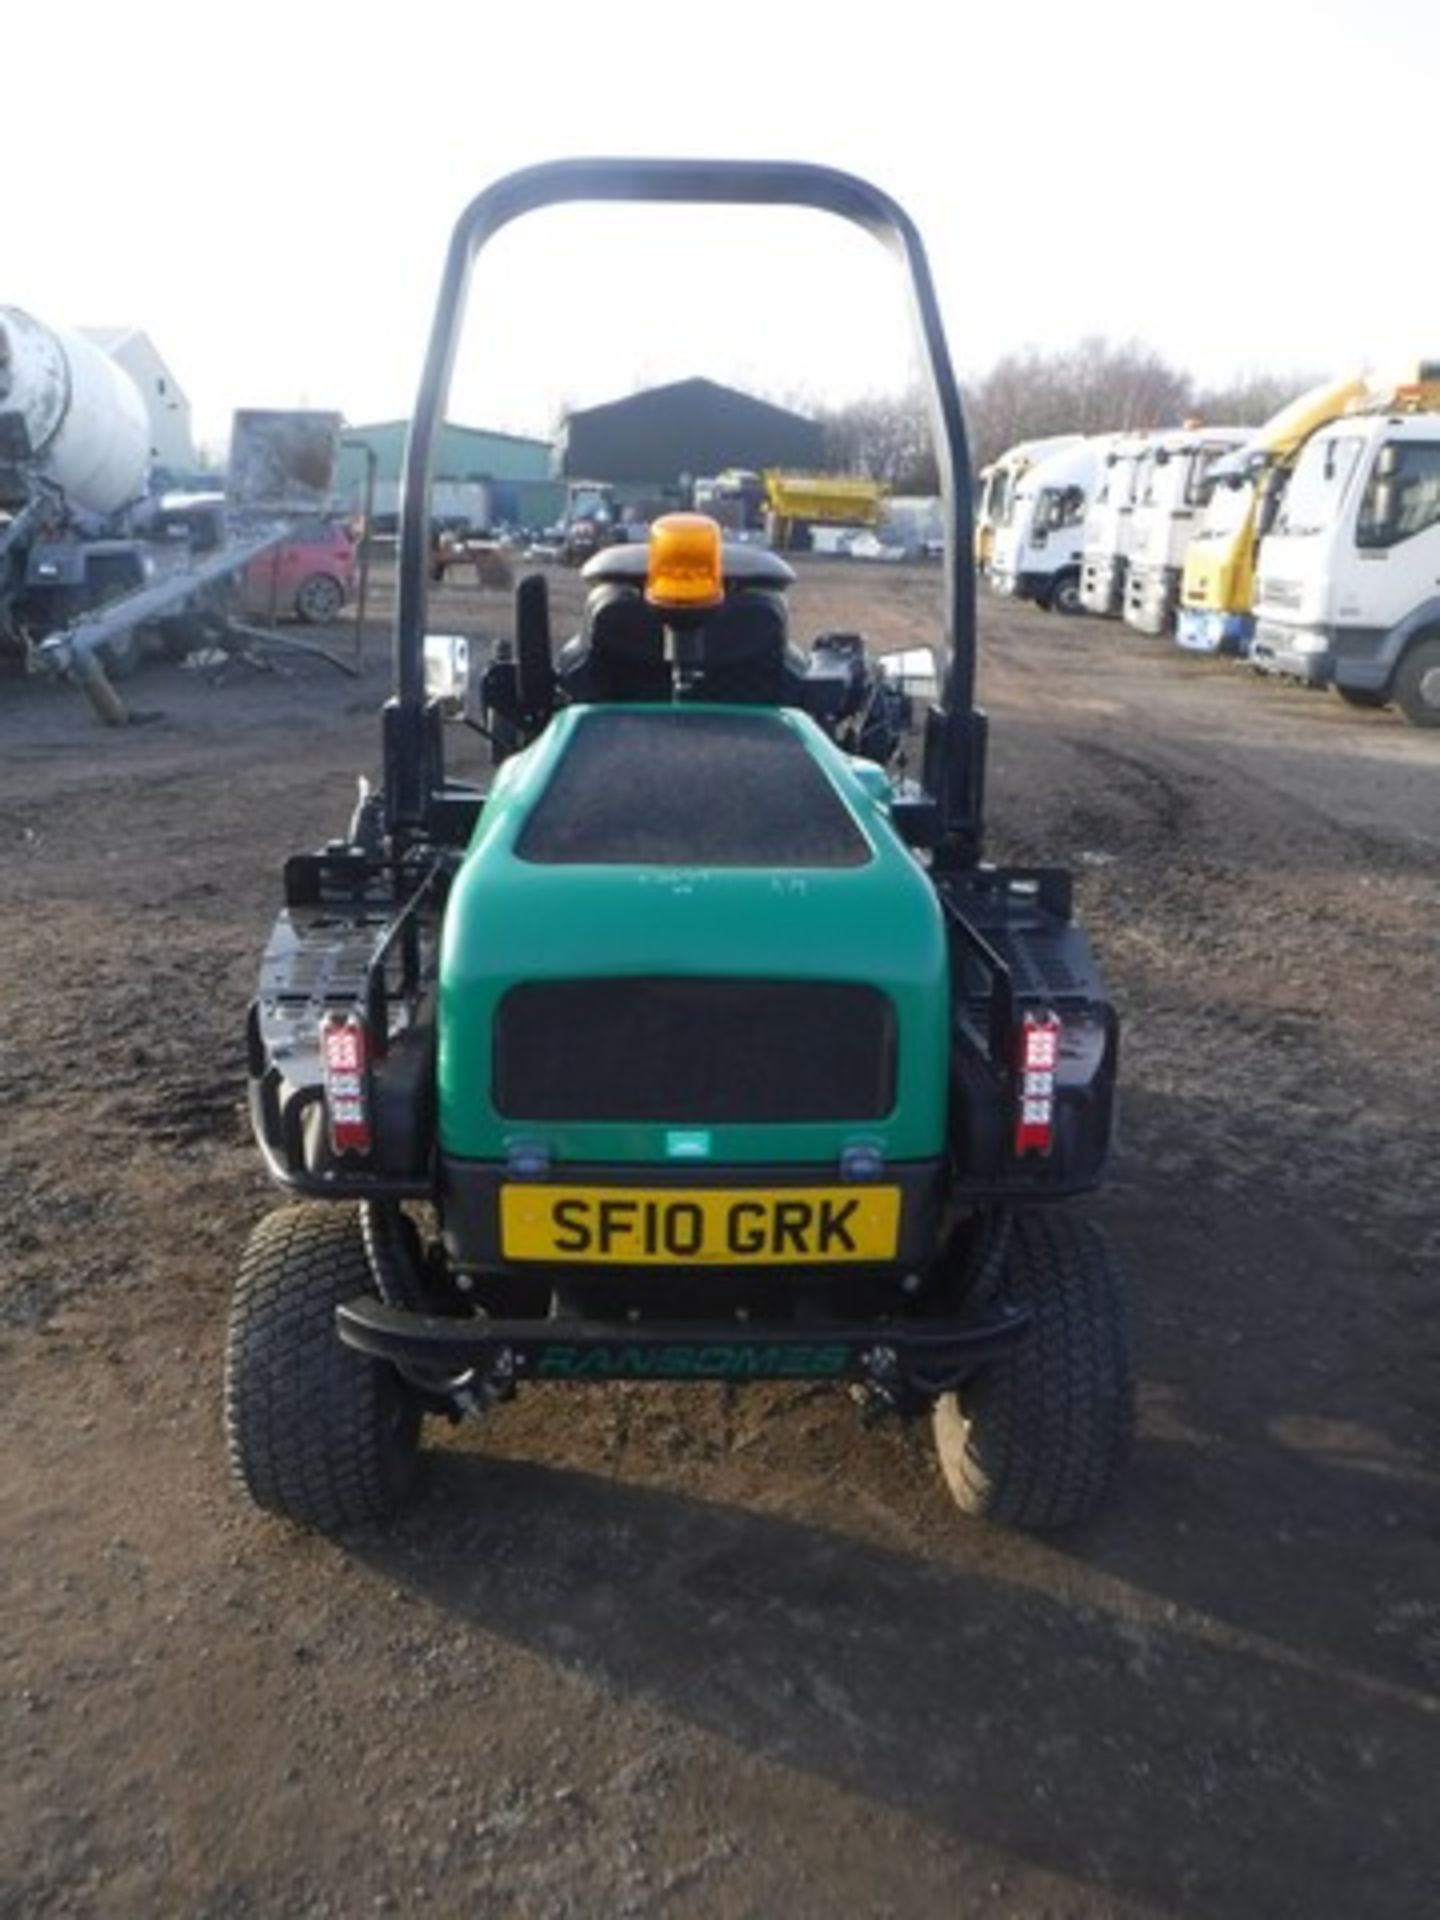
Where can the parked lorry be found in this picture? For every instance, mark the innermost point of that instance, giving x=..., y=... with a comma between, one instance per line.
x=797, y=503
x=788, y=510
x=995, y=484
x=1217, y=584
x=1348, y=587
x=1039, y=537
x=1176, y=485
x=1109, y=524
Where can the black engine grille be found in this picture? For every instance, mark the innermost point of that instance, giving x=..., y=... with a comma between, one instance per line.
x=702, y=1051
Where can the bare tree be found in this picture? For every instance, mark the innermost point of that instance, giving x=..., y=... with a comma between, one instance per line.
x=886, y=436
x=1092, y=387
x=1252, y=397
x=1095, y=386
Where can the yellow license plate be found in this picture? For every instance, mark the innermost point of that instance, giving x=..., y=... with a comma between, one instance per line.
x=699, y=1226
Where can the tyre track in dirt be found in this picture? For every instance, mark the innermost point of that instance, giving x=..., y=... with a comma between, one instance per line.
x=1284, y=950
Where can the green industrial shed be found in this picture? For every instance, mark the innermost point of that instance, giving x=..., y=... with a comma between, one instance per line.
x=497, y=479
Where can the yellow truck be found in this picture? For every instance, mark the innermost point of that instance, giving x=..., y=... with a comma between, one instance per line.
x=1217, y=587
x=796, y=502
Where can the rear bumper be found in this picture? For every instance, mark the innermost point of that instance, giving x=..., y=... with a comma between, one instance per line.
x=923, y=1356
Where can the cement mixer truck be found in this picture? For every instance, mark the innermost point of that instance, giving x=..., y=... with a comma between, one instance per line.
x=74, y=473
x=90, y=552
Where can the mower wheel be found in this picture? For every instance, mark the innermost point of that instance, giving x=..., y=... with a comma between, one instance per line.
x=1037, y=1438
x=315, y=1432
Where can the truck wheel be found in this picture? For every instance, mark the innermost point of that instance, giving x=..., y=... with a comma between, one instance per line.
x=315, y=1432
x=1037, y=1438
x=1417, y=684
x=1065, y=595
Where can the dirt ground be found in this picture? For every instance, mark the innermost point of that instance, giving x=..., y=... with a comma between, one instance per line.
x=644, y=1650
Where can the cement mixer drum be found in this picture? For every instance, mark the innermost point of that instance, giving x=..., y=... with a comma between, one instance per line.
x=82, y=423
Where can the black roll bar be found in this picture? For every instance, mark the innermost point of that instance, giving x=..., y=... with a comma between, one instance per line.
x=713, y=182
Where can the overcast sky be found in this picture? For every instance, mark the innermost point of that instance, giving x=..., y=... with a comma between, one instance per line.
x=267, y=189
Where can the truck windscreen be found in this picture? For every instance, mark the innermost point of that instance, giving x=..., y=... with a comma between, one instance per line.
x=1318, y=485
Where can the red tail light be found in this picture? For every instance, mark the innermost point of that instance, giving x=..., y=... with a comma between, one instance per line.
x=1037, y=1055
x=345, y=1054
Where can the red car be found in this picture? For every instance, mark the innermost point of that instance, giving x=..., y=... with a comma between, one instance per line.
x=310, y=577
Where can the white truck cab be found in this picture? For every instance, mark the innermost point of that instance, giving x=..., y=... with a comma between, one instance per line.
x=1174, y=487
x=998, y=481
x=1348, y=592
x=1109, y=523
x=1039, y=540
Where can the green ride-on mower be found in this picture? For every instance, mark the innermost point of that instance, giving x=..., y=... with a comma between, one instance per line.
x=699, y=1047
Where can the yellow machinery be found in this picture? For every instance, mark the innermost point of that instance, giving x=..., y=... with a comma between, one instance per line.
x=796, y=502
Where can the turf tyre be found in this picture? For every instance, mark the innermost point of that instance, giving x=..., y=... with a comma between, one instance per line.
x=1037, y=1438
x=315, y=1432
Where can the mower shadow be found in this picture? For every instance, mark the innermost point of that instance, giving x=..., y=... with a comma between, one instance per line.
x=1132, y=1746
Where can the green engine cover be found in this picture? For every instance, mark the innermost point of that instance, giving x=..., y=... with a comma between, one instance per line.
x=665, y=845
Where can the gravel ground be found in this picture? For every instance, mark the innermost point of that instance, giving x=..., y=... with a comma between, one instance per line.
x=664, y=1651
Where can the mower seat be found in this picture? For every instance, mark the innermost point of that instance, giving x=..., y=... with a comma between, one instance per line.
x=744, y=654
x=619, y=653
